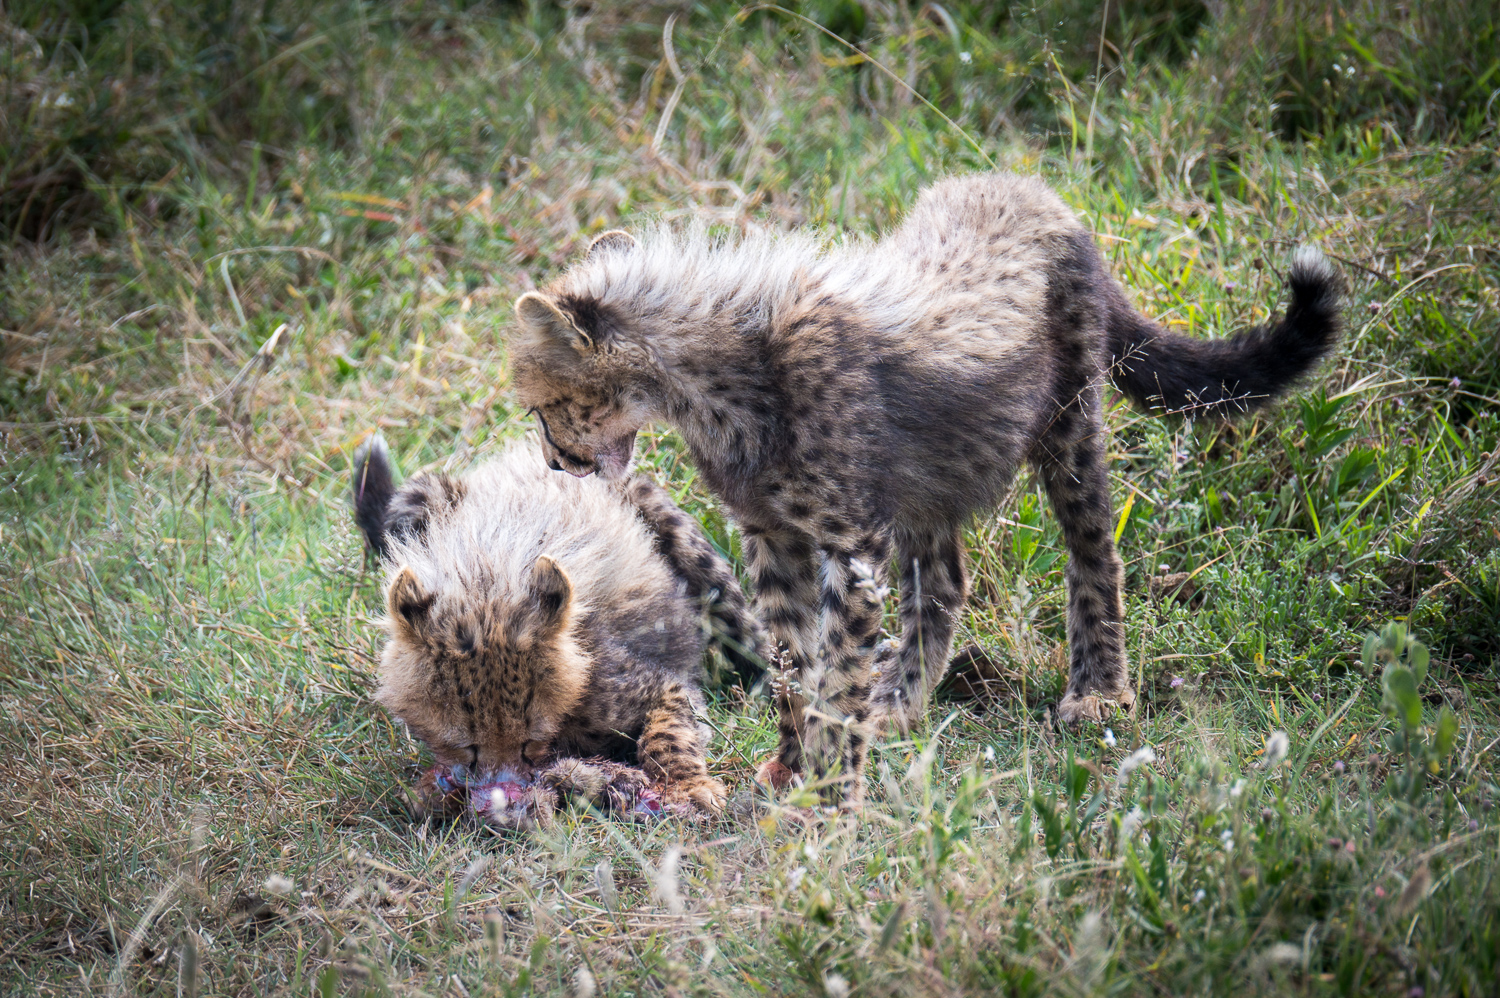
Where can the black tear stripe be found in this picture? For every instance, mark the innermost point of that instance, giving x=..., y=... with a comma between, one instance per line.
x=562, y=451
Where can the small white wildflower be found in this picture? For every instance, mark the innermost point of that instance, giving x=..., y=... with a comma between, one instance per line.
x=604, y=882
x=1199, y=895
x=989, y=753
x=1237, y=789
x=794, y=878
x=835, y=985
x=783, y=680
x=1089, y=949
x=666, y=880
x=1227, y=838
x=1131, y=823
x=1143, y=756
x=1282, y=953
x=1109, y=738
x=965, y=57
x=1276, y=749
x=277, y=884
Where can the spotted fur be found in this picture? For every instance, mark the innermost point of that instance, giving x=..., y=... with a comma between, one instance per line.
x=533, y=617
x=861, y=400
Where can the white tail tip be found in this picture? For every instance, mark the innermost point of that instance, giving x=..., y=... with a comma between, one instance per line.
x=1309, y=262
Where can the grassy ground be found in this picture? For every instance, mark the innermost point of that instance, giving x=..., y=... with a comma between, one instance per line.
x=241, y=238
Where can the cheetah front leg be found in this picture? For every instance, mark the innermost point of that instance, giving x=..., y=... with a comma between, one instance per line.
x=836, y=735
x=1074, y=474
x=709, y=577
x=933, y=589
x=672, y=749
x=784, y=568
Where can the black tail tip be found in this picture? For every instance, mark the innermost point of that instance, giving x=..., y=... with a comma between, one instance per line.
x=372, y=488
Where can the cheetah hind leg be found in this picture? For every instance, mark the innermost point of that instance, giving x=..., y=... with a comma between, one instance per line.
x=710, y=579
x=1074, y=474
x=784, y=567
x=933, y=589
x=836, y=722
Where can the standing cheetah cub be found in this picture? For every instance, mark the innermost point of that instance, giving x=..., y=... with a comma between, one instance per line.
x=534, y=617
x=868, y=400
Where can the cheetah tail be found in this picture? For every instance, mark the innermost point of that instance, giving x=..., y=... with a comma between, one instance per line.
x=1179, y=375
x=372, y=490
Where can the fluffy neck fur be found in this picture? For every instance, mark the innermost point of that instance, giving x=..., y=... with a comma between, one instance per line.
x=710, y=317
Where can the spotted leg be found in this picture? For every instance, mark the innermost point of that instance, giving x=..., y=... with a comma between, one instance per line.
x=836, y=733
x=672, y=749
x=1072, y=467
x=709, y=578
x=933, y=589
x=783, y=565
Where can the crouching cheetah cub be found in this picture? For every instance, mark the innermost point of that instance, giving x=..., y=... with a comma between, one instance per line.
x=534, y=617
x=856, y=405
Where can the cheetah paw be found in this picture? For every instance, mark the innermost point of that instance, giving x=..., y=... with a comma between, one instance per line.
x=774, y=776
x=700, y=798
x=1075, y=709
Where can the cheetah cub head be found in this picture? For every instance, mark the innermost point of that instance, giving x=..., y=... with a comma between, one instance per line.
x=484, y=678
x=587, y=387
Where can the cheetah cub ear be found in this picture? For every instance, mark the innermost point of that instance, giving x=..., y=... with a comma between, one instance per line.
x=541, y=316
x=408, y=603
x=617, y=240
x=551, y=594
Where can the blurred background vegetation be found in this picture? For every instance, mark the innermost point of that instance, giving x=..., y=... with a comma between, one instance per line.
x=111, y=96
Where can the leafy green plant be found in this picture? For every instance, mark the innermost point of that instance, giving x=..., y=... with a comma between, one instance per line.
x=1422, y=747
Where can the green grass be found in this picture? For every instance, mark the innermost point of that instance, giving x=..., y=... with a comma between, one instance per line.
x=200, y=796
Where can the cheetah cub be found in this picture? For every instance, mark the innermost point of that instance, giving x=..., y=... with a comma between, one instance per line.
x=862, y=402
x=534, y=617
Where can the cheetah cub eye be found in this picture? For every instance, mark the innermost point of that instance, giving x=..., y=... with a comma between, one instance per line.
x=583, y=429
